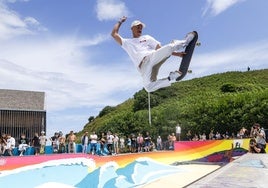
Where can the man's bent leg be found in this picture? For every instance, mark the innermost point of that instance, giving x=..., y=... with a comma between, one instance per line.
x=160, y=55
x=166, y=51
x=155, y=70
x=150, y=86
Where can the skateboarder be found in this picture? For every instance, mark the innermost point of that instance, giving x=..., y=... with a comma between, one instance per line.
x=148, y=55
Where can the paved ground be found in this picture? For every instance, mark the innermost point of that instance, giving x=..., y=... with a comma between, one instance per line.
x=250, y=170
x=191, y=173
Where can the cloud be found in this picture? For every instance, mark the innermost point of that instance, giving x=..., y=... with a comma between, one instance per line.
x=71, y=79
x=99, y=38
x=14, y=1
x=111, y=9
x=63, y=68
x=34, y=24
x=13, y=25
x=215, y=7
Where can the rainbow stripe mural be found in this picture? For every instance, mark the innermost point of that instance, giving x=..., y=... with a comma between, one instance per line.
x=125, y=170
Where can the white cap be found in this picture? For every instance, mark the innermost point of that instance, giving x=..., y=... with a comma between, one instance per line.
x=137, y=22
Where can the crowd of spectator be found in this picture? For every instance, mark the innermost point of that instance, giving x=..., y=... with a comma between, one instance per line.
x=256, y=134
x=216, y=135
x=112, y=143
x=257, y=142
x=105, y=144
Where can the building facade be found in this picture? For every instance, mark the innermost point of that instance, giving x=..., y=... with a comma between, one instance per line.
x=22, y=112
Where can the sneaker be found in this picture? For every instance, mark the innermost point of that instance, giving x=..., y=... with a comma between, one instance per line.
x=173, y=75
x=189, y=37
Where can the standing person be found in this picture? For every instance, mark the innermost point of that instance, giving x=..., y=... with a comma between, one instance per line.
x=71, y=142
x=178, y=133
x=36, y=144
x=140, y=142
x=93, y=143
x=42, y=140
x=172, y=139
x=61, y=142
x=103, y=143
x=110, y=139
x=129, y=143
x=159, y=143
x=85, y=141
x=116, y=144
x=55, y=142
x=122, y=143
x=148, y=55
x=133, y=143
x=23, y=144
x=147, y=140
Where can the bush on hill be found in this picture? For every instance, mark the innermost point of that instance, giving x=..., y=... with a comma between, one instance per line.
x=222, y=102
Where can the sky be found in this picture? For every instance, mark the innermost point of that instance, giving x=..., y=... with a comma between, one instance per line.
x=64, y=48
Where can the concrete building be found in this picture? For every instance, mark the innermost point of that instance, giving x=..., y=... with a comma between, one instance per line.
x=22, y=112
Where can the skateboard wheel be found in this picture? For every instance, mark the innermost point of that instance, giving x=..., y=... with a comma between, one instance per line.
x=198, y=43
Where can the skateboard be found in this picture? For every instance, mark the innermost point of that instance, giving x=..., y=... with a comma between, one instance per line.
x=185, y=62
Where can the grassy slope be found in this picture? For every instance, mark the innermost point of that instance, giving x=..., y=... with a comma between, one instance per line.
x=192, y=91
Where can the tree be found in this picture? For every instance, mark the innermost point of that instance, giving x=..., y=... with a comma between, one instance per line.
x=91, y=118
x=106, y=110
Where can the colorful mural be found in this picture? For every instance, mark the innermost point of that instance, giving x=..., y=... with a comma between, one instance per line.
x=124, y=170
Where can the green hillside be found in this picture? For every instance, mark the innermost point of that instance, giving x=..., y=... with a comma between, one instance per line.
x=222, y=102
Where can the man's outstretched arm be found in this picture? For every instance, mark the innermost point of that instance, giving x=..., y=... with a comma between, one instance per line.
x=115, y=30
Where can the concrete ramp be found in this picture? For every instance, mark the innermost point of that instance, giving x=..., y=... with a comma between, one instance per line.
x=250, y=170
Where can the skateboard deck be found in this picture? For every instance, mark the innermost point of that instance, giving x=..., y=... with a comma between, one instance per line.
x=185, y=62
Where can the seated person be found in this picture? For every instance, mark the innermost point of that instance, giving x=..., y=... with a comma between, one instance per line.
x=23, y=144
x=10, y=145
x=254, y=147
x=3, y=143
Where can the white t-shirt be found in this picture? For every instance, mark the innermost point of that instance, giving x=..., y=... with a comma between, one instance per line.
x=178, y=129
x=42, y=140
x=138, y=48
x=10, y=143
x=116, y=139
x=110, y=139
x=261, y=139
x=93, y=138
